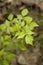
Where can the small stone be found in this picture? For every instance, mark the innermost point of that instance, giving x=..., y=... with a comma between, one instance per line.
x=21, y=60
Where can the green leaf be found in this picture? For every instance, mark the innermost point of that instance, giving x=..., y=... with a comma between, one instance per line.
x=7, y=30
x=15, y=20
x=1, y=52
x=12, y=29
x=6, y=42
x=5, y=62
x=10, y=17
x=24, y=12
x=29, y=40
x=7, y=23
x=21, y=35
x=2, y=27
x=7, y=37
x=27, y=30
x=19, y=17
x=2, y=39
x=21, y=46
x=22, y=23
x=18, y=27
x=33, y=25
x=9, y=56
x=17, y=33
x=28, y=19
x=26, y=27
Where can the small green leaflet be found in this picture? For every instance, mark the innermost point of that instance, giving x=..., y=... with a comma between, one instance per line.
x=19, y=17
x=15, y=20
x=29, y=40
x=22, y=23
x=21, y=35
x=21, y=46
x=33, y=24
x=17, y=33
x=12, y=29
x=28, y=19
x=7, y=30
x=24, y=12
x=10, y=17
x=2, y=27
x=7, y=23
x=27, y=30
x=7, y=37
x=1, y=52
x=18, y=27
